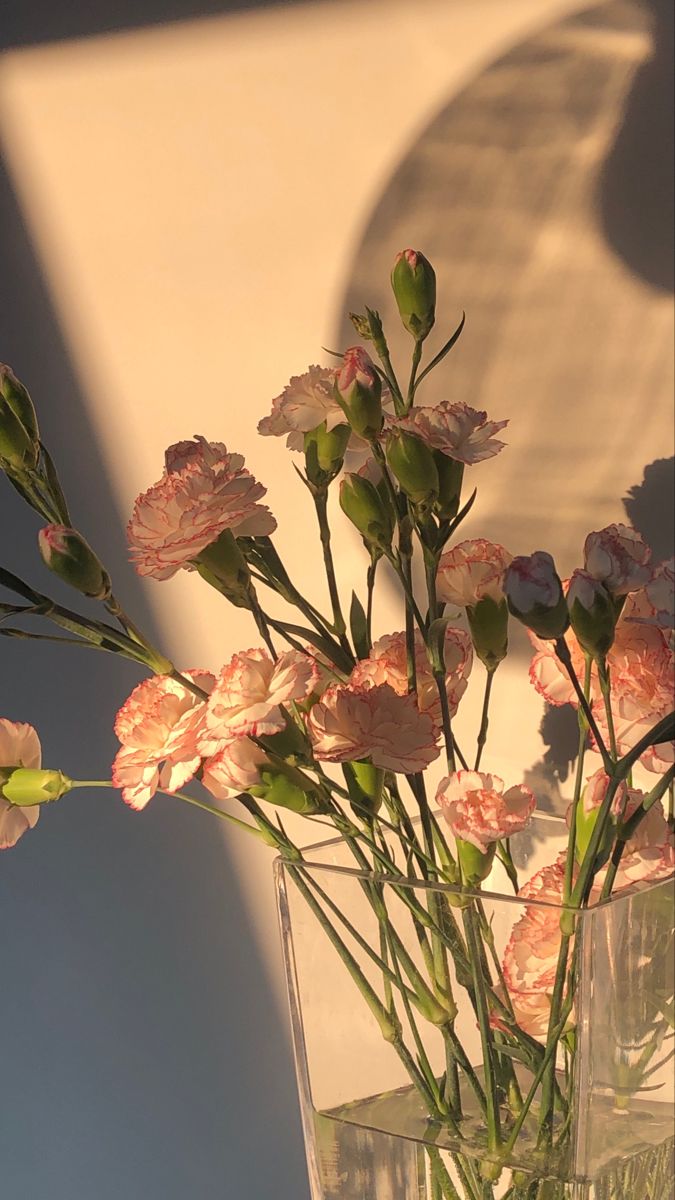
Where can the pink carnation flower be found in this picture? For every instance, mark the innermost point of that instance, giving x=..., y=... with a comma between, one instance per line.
x=19, y=747
x=618, y=557
x=249, y=693
x=305, y=403
x=203, y=491
x=387, y=663
x=660, y=593
x=478, y=810
x=472, y=570
x=457, y=430
x=531, y=955
x=235, y=768
x=376, y=723
x=158, y=727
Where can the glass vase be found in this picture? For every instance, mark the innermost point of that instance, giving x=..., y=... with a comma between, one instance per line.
x=394, y=1106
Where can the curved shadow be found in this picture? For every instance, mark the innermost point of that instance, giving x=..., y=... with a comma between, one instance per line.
x=636, y=188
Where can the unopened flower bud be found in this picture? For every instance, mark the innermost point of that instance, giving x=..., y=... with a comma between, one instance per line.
x=450, y=477
x=365, y=783
x=592, y=614
x=325, y=452
x=19, y=437
x=535, y=596
x=358, y=389
x=412, y=462
x=223, y=565
x=488, y=621
x=362, y=503
x=414, y=282
x=27, y=786
x=70, y=556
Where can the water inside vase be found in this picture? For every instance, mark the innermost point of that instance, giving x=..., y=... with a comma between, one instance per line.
x=375, y=1149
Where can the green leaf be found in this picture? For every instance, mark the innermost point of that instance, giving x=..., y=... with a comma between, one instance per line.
x=358, y=625
x=442, y=352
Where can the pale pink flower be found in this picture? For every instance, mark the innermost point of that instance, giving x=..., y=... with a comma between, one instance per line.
x=595, y=791
x=305, y=403
x=457, y=430
x=479, y=811
x=19, y=747
x=588, y=592
x=472, y=570
x=618, y=557
x=531, y=955
x=158, y=726
x=235, y=768
x=387, y=663
x=250, y=691
x=531, y=581
x=203, y=491
x=658, y=607
x=376, y=723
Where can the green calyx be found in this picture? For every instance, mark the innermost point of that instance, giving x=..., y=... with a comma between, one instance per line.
x=594, y=627
x=325, y=452
x=361, y=501
x=223, y=565
x=413, y=281
x=488, y=623
x=19, y=435
x=476, y=865
x=25, y=787
x=413, y=464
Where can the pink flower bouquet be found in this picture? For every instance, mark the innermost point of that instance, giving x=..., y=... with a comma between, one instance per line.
x=327, y=719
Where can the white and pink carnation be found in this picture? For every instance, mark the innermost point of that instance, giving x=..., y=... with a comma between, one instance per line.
x=387, y=663
x=305, y=403
x=250, y=691
x=618, y=557
x=479, y=811
x=203, y=491
x=472, y=570
x=159, y=727
x=531, y=955
x=461, y=432
x=376, y=723
x=235, y=768
x=19, y=747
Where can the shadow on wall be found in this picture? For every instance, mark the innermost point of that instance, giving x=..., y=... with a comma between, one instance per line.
x=142, y=1055
x=543, y=196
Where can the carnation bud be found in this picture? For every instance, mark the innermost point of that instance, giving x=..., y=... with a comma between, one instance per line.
x=535, y=596
x=325, y=452
x=450, y=477
x=19, y=437
x=223, y=565
x=414, y=282
x=488, y=621
x=358, y=388
x=362, y=503
x=585, y=824
x=592, y=614
x=475, y=864
x=70, y=556
x=412, y=462
x=27, y=786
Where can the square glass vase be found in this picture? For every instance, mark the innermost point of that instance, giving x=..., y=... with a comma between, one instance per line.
x=366, y=1084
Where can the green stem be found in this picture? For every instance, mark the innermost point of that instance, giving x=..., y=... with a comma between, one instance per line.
x=483, y=731
x=370, y=585
x=416, y=357
x=487, y=1041
x=605, y=688
x=578, y=786
x=563, y=653
x=339, y=624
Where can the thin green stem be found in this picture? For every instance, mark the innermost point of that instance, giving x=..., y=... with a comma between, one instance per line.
x=321, y=505
x=606, y=690
x=416, y=358
x=578, y=785
x=483, y=731
x=487, y=1041
x=563, y=653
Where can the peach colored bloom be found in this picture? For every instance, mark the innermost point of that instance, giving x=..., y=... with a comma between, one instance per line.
x=471, y=570
x=479, y=811
x=618, y=557
x=203, y=491
x=660, y=594
x=249, y=693
x=531, y=955
x=375, y=722
x=19, y=747
x=457, y=430
x=158, y=726
x=387, y=663
x=235, y=768
x=305, y=403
